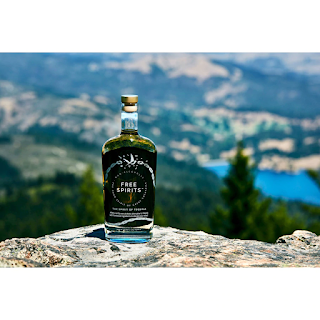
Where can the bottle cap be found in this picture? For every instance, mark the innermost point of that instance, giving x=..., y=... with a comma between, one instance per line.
x=129, y=98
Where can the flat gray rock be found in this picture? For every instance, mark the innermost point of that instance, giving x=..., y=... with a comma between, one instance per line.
x=86, y=247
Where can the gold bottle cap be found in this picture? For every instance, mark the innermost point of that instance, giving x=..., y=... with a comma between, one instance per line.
x=129, y=98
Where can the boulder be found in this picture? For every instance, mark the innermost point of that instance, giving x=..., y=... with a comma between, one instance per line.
x=170, y=247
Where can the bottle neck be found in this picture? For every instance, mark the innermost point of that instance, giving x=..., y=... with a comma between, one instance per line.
x=129, y=122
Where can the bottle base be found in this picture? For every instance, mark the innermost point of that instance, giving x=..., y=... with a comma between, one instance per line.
x=118, y=234
x=128, y=237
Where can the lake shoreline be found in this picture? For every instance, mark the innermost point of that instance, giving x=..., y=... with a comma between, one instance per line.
x=288, y=185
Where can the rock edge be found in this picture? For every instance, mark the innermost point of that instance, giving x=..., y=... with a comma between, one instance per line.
x=170, y=247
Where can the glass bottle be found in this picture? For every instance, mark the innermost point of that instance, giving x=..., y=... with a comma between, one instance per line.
x=129, y=179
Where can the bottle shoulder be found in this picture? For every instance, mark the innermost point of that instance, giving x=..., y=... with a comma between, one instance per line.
x=149, y=142
x=129, y=140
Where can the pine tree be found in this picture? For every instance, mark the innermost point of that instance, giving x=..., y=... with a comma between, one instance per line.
x=244, y=214
x=90, y=209
x=247, y=214
x=241, y=197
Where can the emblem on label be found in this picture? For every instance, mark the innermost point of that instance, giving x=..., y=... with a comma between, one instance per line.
x=129, y=161
x=129, y=188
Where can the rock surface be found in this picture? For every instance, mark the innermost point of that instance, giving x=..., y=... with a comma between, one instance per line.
x=86, y=247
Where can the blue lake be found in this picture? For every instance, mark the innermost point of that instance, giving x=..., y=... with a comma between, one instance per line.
x=286, y=185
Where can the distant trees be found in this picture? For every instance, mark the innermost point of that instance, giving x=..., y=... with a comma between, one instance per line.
x=159, y=218
x=90, y=206
x=45, y=205
x=32, y=208
x=246, y=214
x=184, y=208
x=314, y=175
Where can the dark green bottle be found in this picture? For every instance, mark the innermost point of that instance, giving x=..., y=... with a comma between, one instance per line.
x=129, y=179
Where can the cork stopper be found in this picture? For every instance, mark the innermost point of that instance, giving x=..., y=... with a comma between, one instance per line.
x=129, y=98
x=129, y=102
